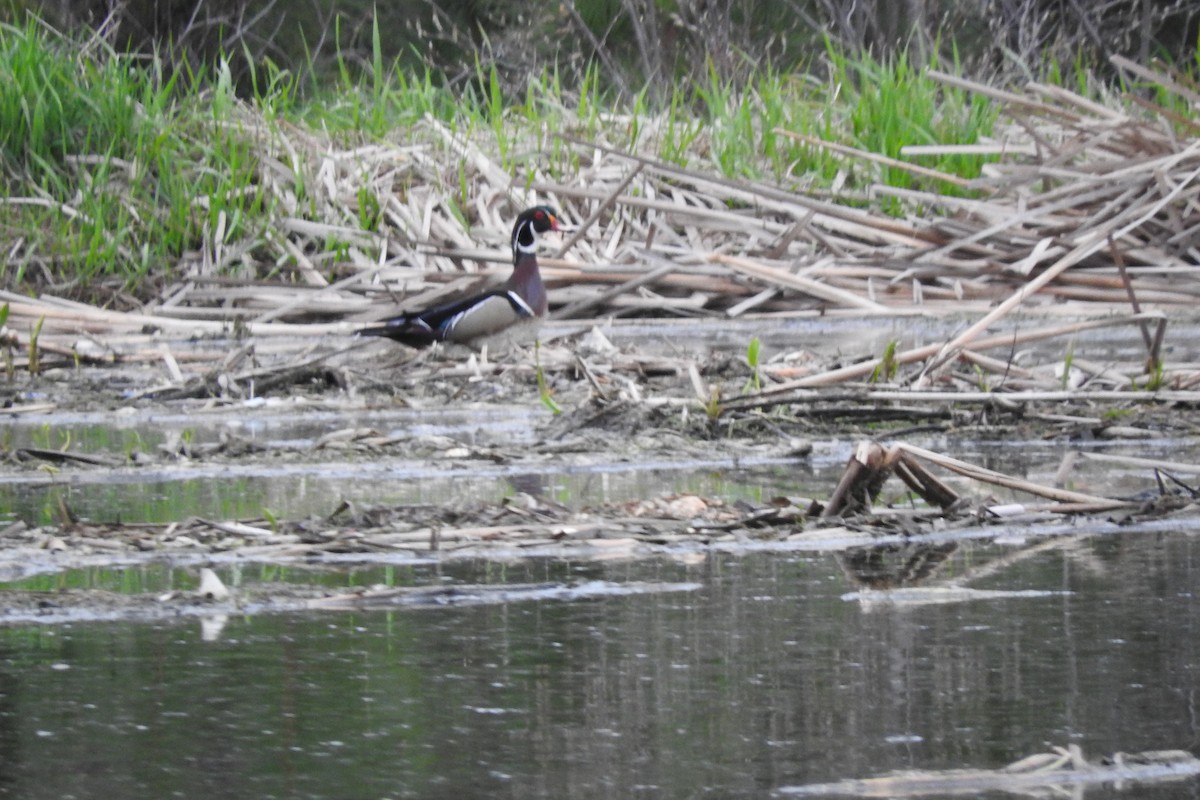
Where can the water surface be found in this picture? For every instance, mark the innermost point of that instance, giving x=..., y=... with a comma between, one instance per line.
x=763, y=677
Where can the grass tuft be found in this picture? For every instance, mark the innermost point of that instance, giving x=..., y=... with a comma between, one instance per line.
x=105, y=172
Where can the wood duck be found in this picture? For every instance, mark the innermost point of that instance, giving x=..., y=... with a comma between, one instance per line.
x=519, y=302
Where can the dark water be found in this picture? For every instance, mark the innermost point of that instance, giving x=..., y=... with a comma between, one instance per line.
x=764, y=677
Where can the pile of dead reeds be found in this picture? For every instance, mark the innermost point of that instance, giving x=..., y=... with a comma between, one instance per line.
x=1086, y=208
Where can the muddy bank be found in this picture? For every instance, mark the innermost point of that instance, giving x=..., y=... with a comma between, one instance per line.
x=313, y=452
x=895, y=555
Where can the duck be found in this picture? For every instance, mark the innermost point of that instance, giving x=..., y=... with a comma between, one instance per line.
x=514, y=307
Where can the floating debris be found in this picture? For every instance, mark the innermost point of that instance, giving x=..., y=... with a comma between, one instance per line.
x=214, y=609
x=211, y=587
x=938, y=595
x=1049, y=772
x=486, y=594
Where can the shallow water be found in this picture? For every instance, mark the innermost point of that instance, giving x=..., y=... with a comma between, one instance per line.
x=765, y=676
x=725, y=674
x=314, y=483
x=271, y=488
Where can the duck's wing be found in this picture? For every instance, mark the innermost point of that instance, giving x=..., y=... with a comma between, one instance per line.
x=459, y=321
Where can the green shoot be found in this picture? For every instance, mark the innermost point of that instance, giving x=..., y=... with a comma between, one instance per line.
x=713, y=407
x=369, y=211
x=1068, y=362
x=1156, y=375
x=887, y=367
x=9, y=367
x=133, y=445
x=35, y=366
x=981, y=377
x=752, y=359
x=543, y=390
x=66, y=517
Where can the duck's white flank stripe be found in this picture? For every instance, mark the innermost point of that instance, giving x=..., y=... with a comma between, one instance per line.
x=517, y=300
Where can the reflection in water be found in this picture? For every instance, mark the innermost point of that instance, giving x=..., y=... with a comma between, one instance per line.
x=211, y=627
x=763, y=678
x=10, y=736
x=891, y=566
